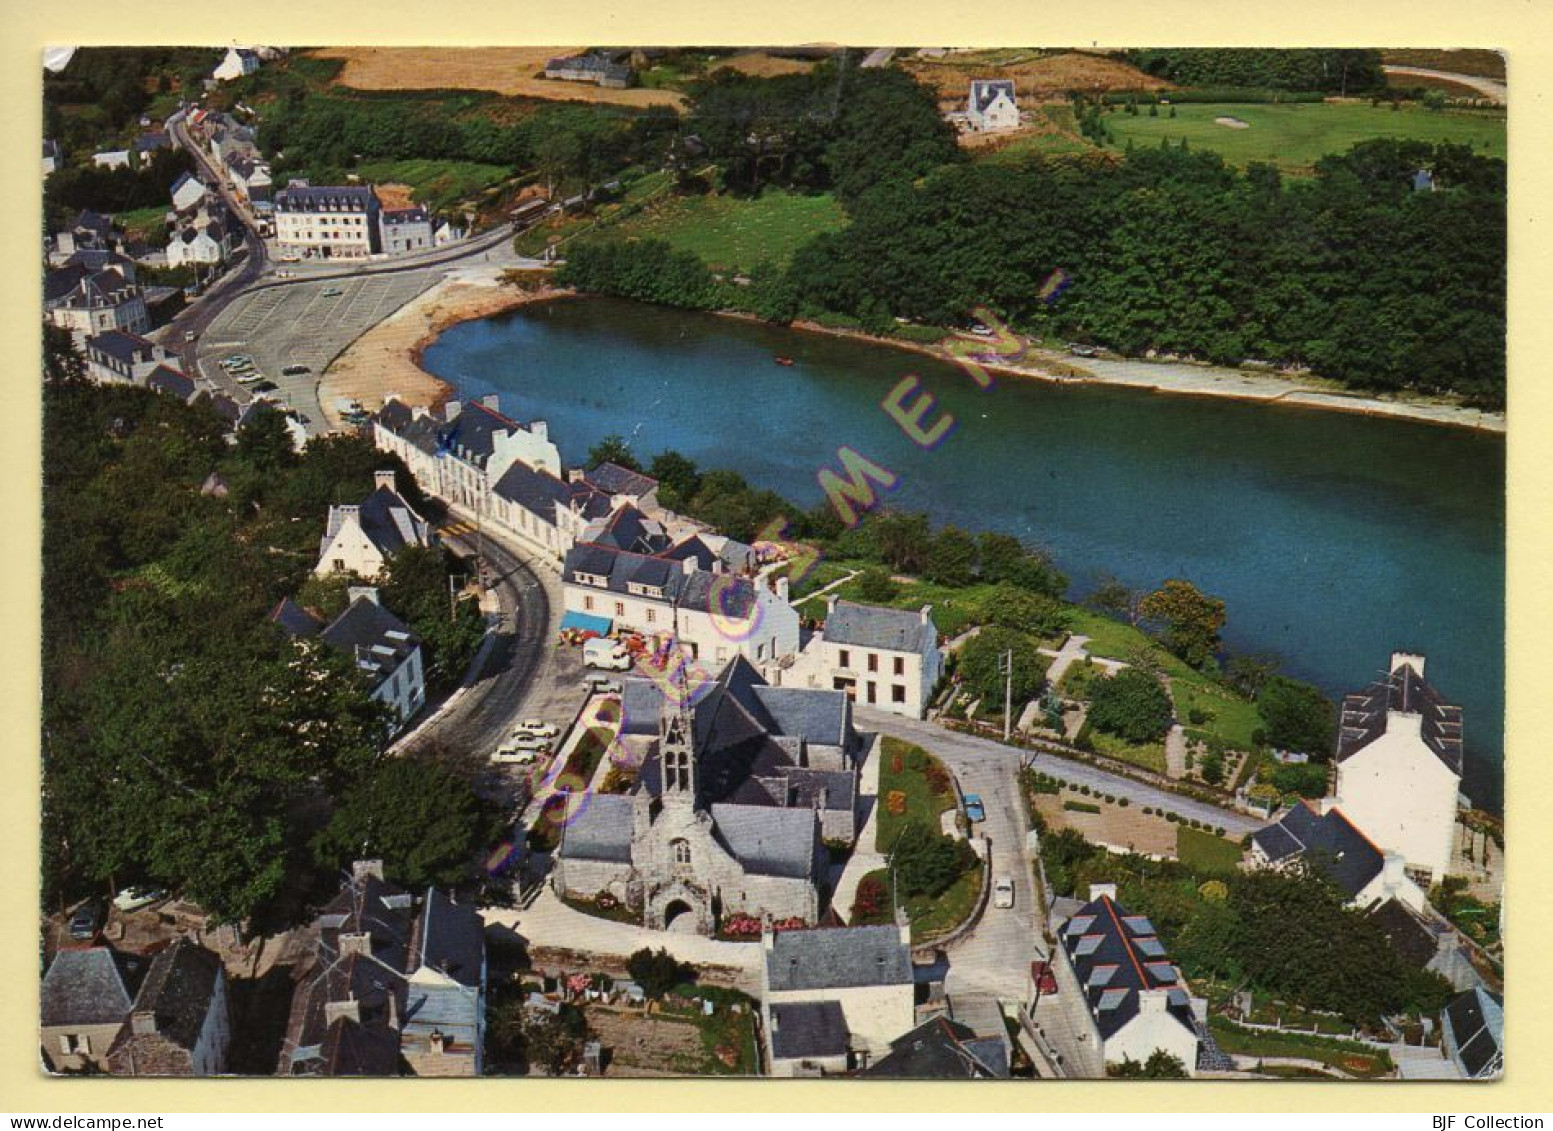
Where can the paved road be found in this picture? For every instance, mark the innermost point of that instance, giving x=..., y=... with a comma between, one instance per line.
x=960, y=748
x=1495, y=90
x=878, y=57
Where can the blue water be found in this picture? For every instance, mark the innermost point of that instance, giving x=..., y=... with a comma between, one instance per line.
x=1334, y=539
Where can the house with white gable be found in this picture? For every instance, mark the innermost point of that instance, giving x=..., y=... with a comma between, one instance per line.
x=239, y=61
x=361, y=537
x=188, y=193
x=1134, y=999
x=1399, y=764
x=886, y=658
x=992, y=106
x=1320, y=835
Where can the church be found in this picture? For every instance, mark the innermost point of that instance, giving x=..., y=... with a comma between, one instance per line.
x=738, y=793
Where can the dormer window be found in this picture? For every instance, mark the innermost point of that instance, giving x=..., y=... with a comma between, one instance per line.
x=640, y=590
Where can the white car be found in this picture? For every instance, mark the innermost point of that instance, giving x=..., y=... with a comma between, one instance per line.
x=133, y=899
x=1003, y=892
x=529, y=742
x=512, y=755
x=537, y=727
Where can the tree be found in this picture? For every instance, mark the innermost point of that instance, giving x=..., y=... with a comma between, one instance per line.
x=877, y=586
x=871, y=904
x=678, y=477
x=1308, y=779
x=658, y=972
x=62, y=360
x=1191, y=620
x=416, y=587
x=1024, y=611
x=1298, y=717
x=264, y=443
x=1160, y=1065
x=613, y=449
x=925, y=862
x=1132, y=705
x=951, y=558
x=1246, y=672
x=1116, y=599
x=982, y=654
x=425, y=823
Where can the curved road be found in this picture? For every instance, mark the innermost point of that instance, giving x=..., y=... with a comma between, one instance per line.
x=1495, y=90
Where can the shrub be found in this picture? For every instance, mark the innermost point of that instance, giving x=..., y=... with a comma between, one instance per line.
x=1173, y=818
x=1080, y=807
x=917, y=759
x=1084, y=789
x=1123, y=802
x=937, y=778
x=1197, y=716
x=1110, y=799
x=1218, y=830
x=1132, y=705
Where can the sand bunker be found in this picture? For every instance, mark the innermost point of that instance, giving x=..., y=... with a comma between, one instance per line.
x=1232, y=123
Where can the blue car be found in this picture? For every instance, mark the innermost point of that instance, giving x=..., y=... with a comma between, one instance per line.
x=973, y=807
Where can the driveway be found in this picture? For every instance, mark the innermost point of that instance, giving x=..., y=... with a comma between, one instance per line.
x=1496, y=90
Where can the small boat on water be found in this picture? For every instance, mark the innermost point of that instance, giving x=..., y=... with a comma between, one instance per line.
x=784, y=361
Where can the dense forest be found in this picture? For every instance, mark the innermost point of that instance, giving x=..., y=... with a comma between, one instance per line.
x=1330, y=70
x=183, y=745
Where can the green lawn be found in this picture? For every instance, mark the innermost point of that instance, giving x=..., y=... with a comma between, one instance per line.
x=1080, y=678
x=1109, y=638
x=1346, y=1056
x=143, y=220
x=923, y=803
x=1293, y=135
x=1230, y=718
x=1147, y=755
x=437, y=184
x=934, y=916
x=732, y=233
x=1206, y=852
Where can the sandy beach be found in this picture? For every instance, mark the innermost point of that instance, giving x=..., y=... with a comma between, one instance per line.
x=386, y=360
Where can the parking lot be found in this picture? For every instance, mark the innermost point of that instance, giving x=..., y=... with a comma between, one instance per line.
x=302, y=324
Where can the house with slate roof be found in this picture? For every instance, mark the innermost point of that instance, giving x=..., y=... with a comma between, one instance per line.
x=100, y=301
x=729, y=813
x=942, y=1049
x=833, y=999
x=406, y=229
x=170, y=382
x=360, y=537
x=188, y=193
x=84, y=1003
x=1135, y=1000
x=1399, y=764
x=887, y=658
x=119, y=357
x=544, y=512
x=1473, y=1026
x=394, y=985
x=382, y=646
x=991, y=106
x=623, y=484
x=179, y=1024
x=715, y=615
x=596, y=67
x=327, y=221
x=1322, y=836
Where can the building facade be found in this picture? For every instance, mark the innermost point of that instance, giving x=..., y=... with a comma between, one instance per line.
x=326, y=222
x=886, y=658
x=360, y=538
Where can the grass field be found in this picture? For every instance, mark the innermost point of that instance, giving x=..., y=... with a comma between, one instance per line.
x=437, y=184
x=1294, y=135
x=1145, y=755
x=1053, y=130
x=1038, y=75
x=923, y=803
x=143, y=220
x=1206, y=852
x=734, y=233
x=504, y=70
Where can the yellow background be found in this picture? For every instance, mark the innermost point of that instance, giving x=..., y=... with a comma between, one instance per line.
x=1522, y=29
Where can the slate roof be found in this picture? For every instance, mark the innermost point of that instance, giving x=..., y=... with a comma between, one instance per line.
x=416, y=214
x=386, y=519
x=1408, y=935
x=985, y=91
x=1365, y=714
x=838, y=958
x=91, y=986
x=629, y=529
x=100, y=289
x=809, y=1028
x=121, y=346
x=378, y=640
x=59, y=282
x=471, y=435
x=613, y=479
x=600, y=830
x=769, y=841
x=150, y=142
x=1331, y=843
x=533, y=489
x=450, y=937
x=1115, y=955
x=735, y=596
x=937, y=1049
x=820, y=716
x=296, y=620
x=1476, y=1027
x=170, y=382
x=178, y=989
x=300, y=197
x=872, y=626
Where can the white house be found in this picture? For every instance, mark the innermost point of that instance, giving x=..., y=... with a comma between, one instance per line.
x=1321, y=835
x=834, y=998
x=544, y=512
x=1135, y=1001
x=101, y=301
x=1399, y=762
x=118, y=357
x=406, y=229
x=239, y=61
x=887, y=658
x=360, y=537
x=381, y=644
x=992, y=106
x=188, y=193
x=111, y=159
x=718, y=615
x=327, y=221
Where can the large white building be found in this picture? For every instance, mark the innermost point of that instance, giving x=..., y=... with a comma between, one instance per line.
x=886, y=658
x=326, y=222
x=239, y=61
x=1399, y=761
x=1135, y=1002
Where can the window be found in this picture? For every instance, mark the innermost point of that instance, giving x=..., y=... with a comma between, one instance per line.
x=846, y=658
x=900, y=665
x=587, y=602
x=620, y=608
x=898, y=693
x=339, y=565
x=681, y=851
x=873, y=692
x=71, y=1043
x=873, y=661
x=652, y=616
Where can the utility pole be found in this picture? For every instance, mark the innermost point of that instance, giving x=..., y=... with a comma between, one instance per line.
x=1006, y=669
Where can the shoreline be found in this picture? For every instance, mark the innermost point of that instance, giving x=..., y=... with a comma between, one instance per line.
x=386, y=360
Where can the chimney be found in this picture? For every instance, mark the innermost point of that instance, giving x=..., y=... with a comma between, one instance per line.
x=690, y=566
x=540, y=429
x=393, y=1010
x=142, y=1023
x=363, y=870
x=903, y=925
x=830, y=605
x=1325, y=805
x=1393, y=873
x=1097, y=891
x=347, y=510
x=1153, y=1001
x=356, y=593
x=492, y=401
x=927, y=612
x=355, y=942
x=1409, y=659
x=385, y=479
x=438, y=1042
x=349, y=1009
x=450, y=411
x=575, y=475
x=767, y=934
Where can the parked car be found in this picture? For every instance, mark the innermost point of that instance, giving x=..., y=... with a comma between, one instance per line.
x=605, y=655
x=974, y=809
x=189, y=335
x=86, y=921
x=509, y=755
x=330, y=292
x=529, y=742
x=295, y=370
x=1003, y=892
x=603, y=685
x=266, y=387
x=1045, y=980
x=536, y=726
x=133, y=899
x=1078, y=349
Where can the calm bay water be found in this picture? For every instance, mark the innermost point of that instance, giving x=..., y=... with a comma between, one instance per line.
x=1333, y=538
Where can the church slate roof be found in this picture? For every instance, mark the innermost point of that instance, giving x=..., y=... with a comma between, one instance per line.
x=768, y=841
x=873, y=626
x=600, y=830
x=1365, y=715
x=838, y=958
